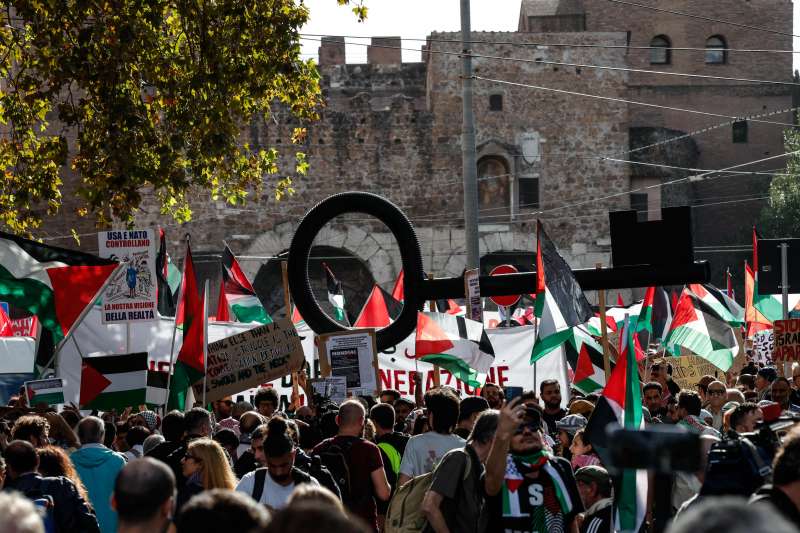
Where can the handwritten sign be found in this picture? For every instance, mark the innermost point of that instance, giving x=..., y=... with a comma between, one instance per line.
x=251, y=358
x=787, y=340
x=688, y=369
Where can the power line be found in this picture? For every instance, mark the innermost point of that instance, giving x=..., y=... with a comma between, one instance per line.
x=564, y=45
x=702, y=17
x=664, y=73
x=525, y=60
x=623, y=101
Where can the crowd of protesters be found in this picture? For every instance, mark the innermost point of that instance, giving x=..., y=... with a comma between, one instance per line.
x=438, y=462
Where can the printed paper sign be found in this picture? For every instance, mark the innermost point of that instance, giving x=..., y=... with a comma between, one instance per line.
x=472, y=287
x=333, y=388
x=250, y=358
x=131, y=293
x=351, y=354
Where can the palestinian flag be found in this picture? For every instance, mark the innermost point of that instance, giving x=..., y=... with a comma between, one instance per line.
x=621, y=403
x=560, y=302
x=156, y=393
x=190, y=365
x=239, y=292
x=455, y=343
x=662, y=314
x=755, y=320
x=379, y=310
x=697, y=327
x=113, y=381
x=6, y=326
x=644, y=322
x=223, y=313
x=449, y=306
x=618, y=314
x=398, y=289
x=335, y=295
x=585, y=357
x=722, y=306
x=47, y=391
x=53, y=283
x=166, y=301
x=296, y=318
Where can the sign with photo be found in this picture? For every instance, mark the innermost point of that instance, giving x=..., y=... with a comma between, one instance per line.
x=130, y=295
x=353, y=355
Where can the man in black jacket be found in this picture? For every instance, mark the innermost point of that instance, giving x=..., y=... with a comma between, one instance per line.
x=784, y=493
x=197, y=423
x=70, y=512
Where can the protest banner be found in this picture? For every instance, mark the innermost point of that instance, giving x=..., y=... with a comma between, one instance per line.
x=786, y=340
x=688, y=369
x=247, y=359
x=353, y=354
x=130, y=295
x=47, y=391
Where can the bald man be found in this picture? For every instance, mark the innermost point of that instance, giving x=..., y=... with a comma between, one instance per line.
x=367, y=476
x=144, y=496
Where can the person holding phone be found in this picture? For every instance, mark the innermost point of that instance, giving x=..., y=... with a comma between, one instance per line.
x=529, y=489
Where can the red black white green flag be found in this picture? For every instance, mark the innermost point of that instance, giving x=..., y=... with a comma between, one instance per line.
x=166, y=301
x=335, y=295
x=379, y=310
x=560, y=302
x=240, y=296
x=56, y=284
x=190, y=365
x=457, y=344
x=585, y=357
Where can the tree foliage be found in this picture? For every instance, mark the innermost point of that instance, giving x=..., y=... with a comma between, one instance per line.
x=138, y=94
x=781, y=216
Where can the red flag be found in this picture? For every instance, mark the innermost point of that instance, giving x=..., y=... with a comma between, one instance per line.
x=674, y=301
x=374, y=314
x=397, y=290
x=223, y=310
x=620, y=303
x=539, y=263
x=190, y=315
x=755, y=251
x=6, y=329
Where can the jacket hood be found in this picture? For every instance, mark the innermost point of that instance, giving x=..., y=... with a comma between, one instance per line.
x=95, y=457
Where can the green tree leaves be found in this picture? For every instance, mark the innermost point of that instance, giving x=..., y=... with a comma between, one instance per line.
x=145, y=94
x=781, y=217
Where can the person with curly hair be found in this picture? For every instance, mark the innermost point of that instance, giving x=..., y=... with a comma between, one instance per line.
x=32, y=428
x=54, y=462
x=205, y=467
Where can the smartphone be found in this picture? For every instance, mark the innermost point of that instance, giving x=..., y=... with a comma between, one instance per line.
x=512, y=392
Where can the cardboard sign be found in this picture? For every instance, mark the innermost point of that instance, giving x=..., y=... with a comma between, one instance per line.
x=352, y=354
x=787, y=340
x=130, y=295
x=250, y=358
x=47, y=391
x=688, y=369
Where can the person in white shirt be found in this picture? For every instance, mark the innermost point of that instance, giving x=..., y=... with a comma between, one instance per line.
x=424, y=451
x=273, y=485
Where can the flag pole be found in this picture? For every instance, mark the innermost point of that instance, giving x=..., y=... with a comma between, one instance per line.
x=205, y=341
x=601, y=296
x=174, y=329
x=287, y=303
x=437, y=378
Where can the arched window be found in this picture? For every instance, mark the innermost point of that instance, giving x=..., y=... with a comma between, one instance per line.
x=715, y=50
x=494, y=185
x=660, y=53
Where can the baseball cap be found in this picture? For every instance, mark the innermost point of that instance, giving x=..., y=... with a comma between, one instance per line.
x=594, y=474
x=572, y=423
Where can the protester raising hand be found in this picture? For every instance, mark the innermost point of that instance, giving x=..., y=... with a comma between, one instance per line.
x=511, y=416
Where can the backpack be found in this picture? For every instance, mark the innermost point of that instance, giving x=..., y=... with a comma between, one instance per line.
x=334, y=457
x=405, y=508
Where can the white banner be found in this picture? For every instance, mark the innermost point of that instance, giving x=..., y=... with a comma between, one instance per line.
x=130, y=295
x=512, y=348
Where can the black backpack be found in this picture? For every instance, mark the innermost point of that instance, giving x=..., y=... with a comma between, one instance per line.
x=335, y=458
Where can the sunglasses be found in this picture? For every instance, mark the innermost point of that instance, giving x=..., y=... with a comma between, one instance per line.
x=533, y=427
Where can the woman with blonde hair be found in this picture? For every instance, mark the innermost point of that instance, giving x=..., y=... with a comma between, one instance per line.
x=206, y=467
x=54, y=462
x=316, y=495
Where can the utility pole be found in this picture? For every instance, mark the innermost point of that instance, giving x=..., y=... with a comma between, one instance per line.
x=468, y=157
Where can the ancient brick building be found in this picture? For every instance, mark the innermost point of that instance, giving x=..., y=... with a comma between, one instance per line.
x=394, y=128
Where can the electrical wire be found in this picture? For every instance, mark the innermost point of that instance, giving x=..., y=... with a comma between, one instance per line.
x=564, y=45
x=702, y=17
x=624, y=101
